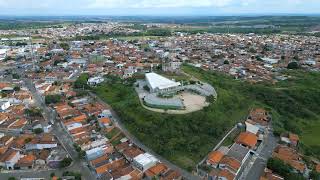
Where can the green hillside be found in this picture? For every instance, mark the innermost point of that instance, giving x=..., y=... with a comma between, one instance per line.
x=186, y=139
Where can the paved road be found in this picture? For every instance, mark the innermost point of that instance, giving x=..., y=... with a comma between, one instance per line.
x=259, y=162
x=64, y=138
x=121, y=126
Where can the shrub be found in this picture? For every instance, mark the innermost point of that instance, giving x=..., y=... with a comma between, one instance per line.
x=65, y=162
x=52, y=99
x=293, y=65
x=146, y=88
x=38, y=131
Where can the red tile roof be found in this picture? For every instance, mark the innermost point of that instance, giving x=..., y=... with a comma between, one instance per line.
x=247, y=139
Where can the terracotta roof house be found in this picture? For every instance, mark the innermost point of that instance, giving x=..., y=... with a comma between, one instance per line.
x=26, y=162
x=291, y=157
x=269, y=175
x=247, y=139
x=156, y=170
x=318, y=168
x=104, y=122
x=230, y=163
x=294, y=139
x=170, y=175
x=9, y=159
x=226, y=174
x=132, y=152
x=214, y=158
x=259, y=116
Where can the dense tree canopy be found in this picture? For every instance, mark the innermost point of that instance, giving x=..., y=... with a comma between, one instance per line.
x=81, y=82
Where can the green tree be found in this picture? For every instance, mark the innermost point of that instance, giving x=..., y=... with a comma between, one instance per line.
x=27, y=140
x=52, y=174
x=65, y=46
x=52, y=99
x=33, y=112
x=315, y=175
x=15, y=76
x=81, y=82
x=38, y=131
x=146, y=88
x=65, y=162
x=76, y=175
x=16, y=88
x=293, y=65
x=279, y=167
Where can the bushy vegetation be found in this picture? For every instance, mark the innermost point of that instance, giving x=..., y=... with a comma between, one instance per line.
x=52, y=99
x=283, y=169
x=65, y=46
x=33, y=112
x=81, y=82
x=293, y=65
x=65, y=162
x=185, y=139
x=38, y=131
x=77, y=175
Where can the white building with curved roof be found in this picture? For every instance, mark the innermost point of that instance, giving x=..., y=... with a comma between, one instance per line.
x=158, y=83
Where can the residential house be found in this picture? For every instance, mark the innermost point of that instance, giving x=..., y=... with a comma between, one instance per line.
x=144, y=161
x=239, y=152
x=4, y=105
x=45, y=141
x=104, y=122
x=291, y=157
x=26, y=162
x=9, y=159
x=132, y=152
x=156, y=170
x=259, y=116
x=269, y=175
x=247, y=139
x=95, y=81
x=231, y=164
x=171, y=174
x=214, y=158
x=224, y=175
x=290, y=139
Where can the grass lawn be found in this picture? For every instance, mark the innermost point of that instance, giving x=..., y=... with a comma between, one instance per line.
x=311, y=135
x=186, y=139
x=112, y=133
x=117, y=141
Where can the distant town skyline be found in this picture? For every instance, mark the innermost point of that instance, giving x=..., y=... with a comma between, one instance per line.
x=158, y=7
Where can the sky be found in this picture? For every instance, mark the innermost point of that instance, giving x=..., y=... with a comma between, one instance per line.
x=157, y=7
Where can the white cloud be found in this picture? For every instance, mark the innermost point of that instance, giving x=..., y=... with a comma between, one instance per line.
x=31, y=4
x=247, y=2
x=158, y=3
x=157, y=6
